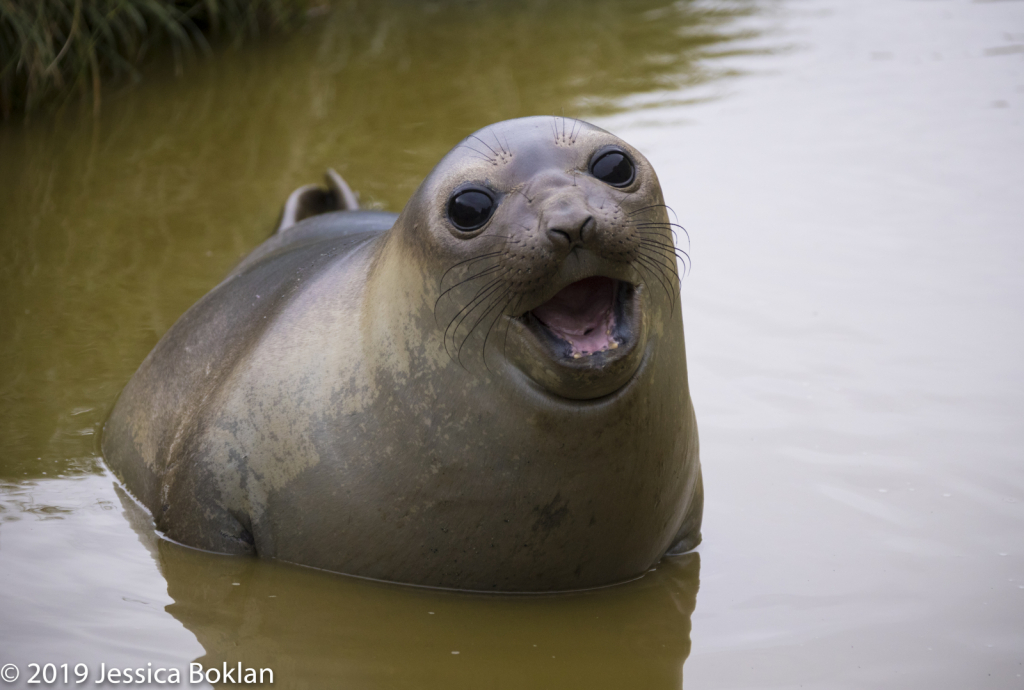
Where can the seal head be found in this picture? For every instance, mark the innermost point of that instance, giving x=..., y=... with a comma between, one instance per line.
x=552, y=238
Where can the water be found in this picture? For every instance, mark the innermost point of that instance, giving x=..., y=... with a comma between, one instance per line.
x=850, y=175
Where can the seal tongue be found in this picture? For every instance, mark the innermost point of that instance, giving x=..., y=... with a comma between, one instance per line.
x=582, y=315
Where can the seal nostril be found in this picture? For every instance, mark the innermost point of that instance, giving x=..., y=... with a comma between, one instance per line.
x=589, y=223
x=557, y=234
x=574, y=235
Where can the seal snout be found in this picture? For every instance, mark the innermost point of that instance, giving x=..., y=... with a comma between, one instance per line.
x=566, y=218
x=566, y=230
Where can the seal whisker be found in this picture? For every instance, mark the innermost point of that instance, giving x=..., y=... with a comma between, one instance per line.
x=467, y=146
x=651, y=223
x=482, y=294
x=665, y=253
x=504, y=347
x=490, y=329
x=679, y=254
x=650, y=230
x=469, y=306
x=473, y=136
x=661, y=268
x=649, y=237
x=666, y=225
x=475, y=258
x=519, y=191
x=672, y=249
x=483, y=155
x=479, y=300
x=654, y=262
x=661, y=222
x=664, y=284
x=656, y=271
x=647, y=208
x=644, y=271
x=470, y=277
x=682, y=255
x=498, y=141
x=487, y=271
x=658, y=255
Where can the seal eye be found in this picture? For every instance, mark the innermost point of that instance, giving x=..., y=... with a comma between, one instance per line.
x=470, y=209
x=614, y=168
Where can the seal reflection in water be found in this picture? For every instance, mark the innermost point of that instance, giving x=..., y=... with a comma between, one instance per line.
x=485, y=392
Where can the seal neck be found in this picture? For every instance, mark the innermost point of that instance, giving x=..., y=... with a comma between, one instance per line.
x=397, y=316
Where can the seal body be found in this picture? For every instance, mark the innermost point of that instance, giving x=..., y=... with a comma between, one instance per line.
x=486, y=392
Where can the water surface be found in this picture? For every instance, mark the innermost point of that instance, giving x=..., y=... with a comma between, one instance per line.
x=849, y=174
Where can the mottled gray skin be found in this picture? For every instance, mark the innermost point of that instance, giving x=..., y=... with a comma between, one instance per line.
x=312, y=409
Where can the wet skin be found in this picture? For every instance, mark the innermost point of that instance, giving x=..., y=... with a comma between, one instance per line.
x=502, y=407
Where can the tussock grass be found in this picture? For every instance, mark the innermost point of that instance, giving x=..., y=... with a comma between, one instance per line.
x=51, y=50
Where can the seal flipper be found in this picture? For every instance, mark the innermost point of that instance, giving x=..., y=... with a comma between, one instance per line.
x=348, y=201
x=311, y=200
x=688, y=536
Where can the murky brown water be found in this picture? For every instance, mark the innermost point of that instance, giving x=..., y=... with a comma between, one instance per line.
x=850, y=174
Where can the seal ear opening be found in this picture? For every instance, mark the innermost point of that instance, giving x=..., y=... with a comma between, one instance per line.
x=310, y=200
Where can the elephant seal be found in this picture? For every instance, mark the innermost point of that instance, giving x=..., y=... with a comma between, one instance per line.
x=486, y=392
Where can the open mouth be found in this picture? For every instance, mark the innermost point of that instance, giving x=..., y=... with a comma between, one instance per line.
x=585, y=318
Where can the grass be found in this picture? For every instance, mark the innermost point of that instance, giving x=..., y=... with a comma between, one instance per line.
x=53, y=50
